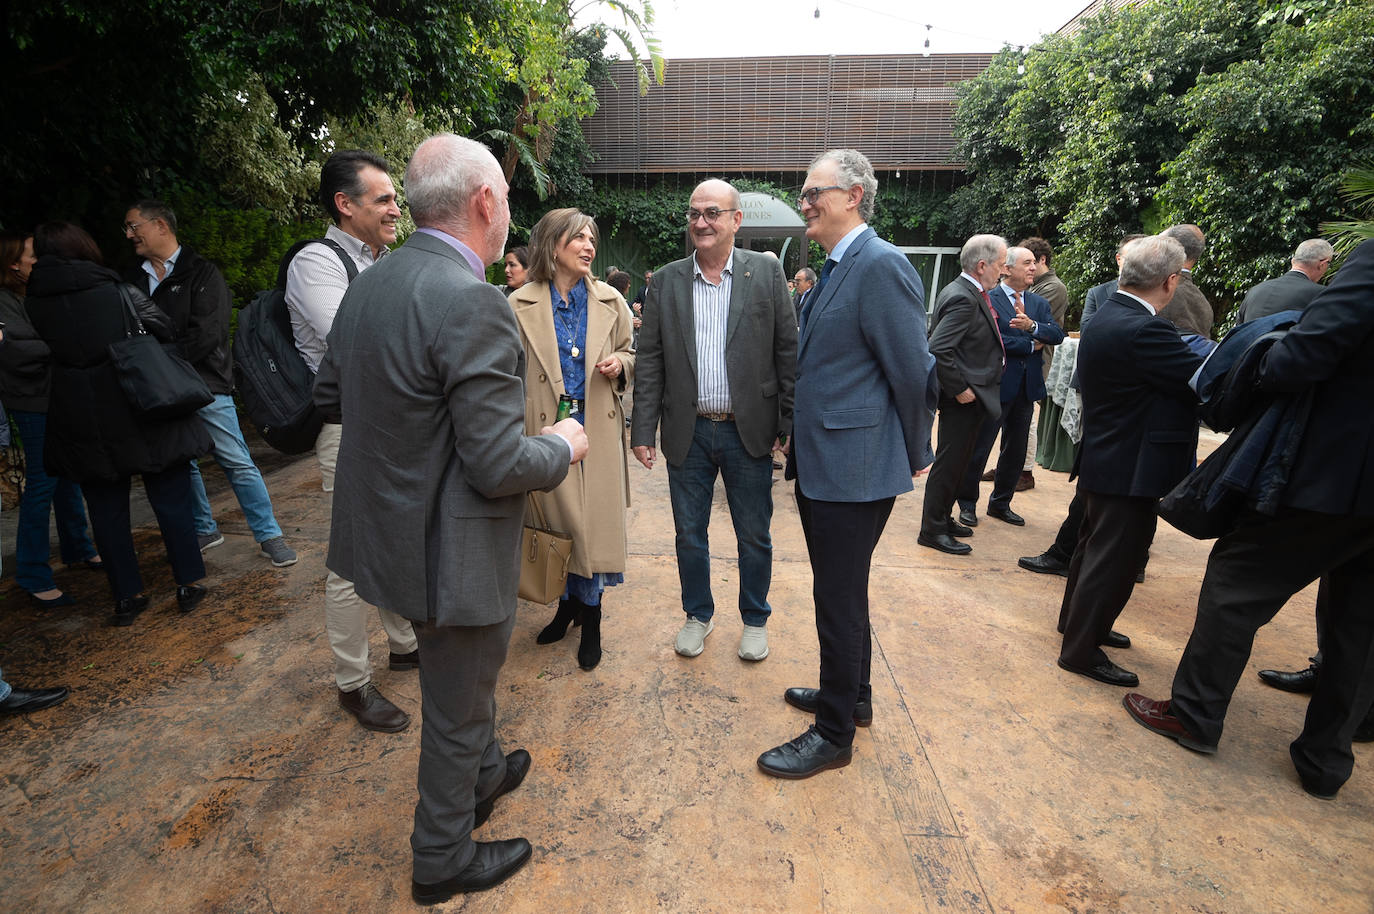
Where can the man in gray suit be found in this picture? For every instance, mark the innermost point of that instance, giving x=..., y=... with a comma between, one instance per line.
x=1190, y=311
x=1294, y=289
x=969, y=359
x=714, y=373
x=865, y=400
x=425, y=367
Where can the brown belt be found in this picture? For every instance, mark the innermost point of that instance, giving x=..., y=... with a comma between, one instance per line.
x=717, y=417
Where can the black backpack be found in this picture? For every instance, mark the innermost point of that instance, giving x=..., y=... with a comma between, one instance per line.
x=274, y=383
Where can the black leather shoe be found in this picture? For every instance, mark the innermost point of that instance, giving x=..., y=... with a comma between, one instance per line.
x=804, y=756
x=517, y=766
x=1044, y=563
x=1106, y=671
x=945, y=543
x=954, y=528
x=1008, y=515
x=26, y=701
x=494, y=862
x=373, y=711
x=189, y=596
x=62, y=599
x=402, y=662
x=1300, y=681
x=1364, y=733
x=805, y=699
x=1116, y=639
x=968, y=518
x=127, y=609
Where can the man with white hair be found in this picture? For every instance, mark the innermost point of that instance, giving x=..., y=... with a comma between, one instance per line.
x=1139, y=439
x=1294, y=289
x=969, y=358
x=1027, y=326
x=424, y=366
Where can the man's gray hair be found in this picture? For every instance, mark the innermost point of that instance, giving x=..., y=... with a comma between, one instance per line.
x=1147, y=262
x=442, y=177
x=853, y=168
x=1014, y=254
x=808, y=274
x=980, y=247
x=1190, y=236
x=156, y=209
x=1314, y=250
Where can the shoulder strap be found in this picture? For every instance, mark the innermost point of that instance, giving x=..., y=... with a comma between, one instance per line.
x=129, y=311
x=349, y=266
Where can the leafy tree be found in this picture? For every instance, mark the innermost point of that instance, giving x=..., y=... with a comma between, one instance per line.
x=1234, y=114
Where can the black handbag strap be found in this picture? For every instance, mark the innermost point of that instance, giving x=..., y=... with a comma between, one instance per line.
x=129, y=312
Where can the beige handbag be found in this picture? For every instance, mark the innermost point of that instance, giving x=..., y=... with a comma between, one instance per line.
x=544, y=558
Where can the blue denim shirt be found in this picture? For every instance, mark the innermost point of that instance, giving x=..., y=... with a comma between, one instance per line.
x=570, y=327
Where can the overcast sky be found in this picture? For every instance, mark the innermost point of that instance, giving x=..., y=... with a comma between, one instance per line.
x=767, y=28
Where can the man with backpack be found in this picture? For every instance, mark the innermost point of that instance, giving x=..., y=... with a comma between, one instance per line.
x=191, y=291
x=357, y=193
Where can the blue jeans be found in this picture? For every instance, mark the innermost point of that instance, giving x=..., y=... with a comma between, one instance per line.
x=749, y=491
x=43, y=496
x=231, y=453
x=4, y=687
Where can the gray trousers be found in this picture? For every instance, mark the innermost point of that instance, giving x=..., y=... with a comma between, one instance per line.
x=460, y=758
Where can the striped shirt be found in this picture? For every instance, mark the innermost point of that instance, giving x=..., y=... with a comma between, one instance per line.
x=711, y=309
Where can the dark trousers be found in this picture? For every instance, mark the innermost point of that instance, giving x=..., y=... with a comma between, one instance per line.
x=1117, y=531
x=1014, y=426
x=959, y=426
x=1066, y=541
x=169, y=494
x=1251, y=573
x=460, y=758
x=840, y=539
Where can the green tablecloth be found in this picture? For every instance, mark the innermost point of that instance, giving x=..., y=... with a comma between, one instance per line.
x=1054, y=448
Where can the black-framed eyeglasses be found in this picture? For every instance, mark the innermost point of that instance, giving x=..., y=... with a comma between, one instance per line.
x=812, y=194
x=710, y=214
x=134, y=226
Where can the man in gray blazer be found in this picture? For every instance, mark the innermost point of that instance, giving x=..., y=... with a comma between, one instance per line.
x=865, y=401
x=969, y=359
x=713, y=374
x=1294, y=289
x=425, y=367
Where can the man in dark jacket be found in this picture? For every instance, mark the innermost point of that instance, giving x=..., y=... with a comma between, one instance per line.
x=1139, y=440
x=1323, y=529
x=1293, y=290
x=193, y=294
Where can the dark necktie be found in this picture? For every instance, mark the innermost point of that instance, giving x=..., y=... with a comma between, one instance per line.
x=815, y=294
x=996, y=329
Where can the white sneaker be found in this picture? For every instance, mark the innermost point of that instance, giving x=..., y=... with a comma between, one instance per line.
x=692, y=639
x=753, y=644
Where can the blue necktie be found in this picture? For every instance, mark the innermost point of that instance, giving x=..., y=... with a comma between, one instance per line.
x=815, y=294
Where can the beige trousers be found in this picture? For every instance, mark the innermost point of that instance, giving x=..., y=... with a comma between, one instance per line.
x=345, y=613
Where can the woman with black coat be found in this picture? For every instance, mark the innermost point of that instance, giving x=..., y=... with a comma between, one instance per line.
x=93, y=437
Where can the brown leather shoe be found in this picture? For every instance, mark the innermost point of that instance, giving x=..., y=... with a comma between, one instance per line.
x=373, y=711
x=989, y=475
x=1156, y=717
x=1027, y=481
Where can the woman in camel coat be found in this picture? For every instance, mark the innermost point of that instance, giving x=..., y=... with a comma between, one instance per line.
x=576, y=333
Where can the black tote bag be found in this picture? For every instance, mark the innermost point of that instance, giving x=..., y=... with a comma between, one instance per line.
x=157, y=382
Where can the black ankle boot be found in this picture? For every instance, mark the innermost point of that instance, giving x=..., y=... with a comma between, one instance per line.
x=589, y=650
x=555, y=630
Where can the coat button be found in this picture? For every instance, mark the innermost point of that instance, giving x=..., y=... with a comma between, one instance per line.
x=611, y=414
x=542, y=417
x=542, y=376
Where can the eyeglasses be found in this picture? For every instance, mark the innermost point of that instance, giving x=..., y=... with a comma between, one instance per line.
x=812, y=194
x=133, y=226
x=710, y=214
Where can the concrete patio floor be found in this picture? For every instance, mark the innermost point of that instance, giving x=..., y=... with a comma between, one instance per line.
x=202, y=763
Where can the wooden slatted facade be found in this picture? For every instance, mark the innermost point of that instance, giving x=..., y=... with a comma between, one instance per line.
x=773, y=114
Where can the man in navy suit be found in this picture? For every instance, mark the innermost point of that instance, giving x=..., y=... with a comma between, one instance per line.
x=1324, y=528
x=1139, y=440
x=969, y=359
x=1026, y=324
x=865, y=390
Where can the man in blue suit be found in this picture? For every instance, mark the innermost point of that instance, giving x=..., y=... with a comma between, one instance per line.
x=1026, y=325
x=865, y=398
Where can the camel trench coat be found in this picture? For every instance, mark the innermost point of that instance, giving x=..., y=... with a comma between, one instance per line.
x=591, y=503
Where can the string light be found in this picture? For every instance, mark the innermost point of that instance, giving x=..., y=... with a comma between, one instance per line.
x=926, y=52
